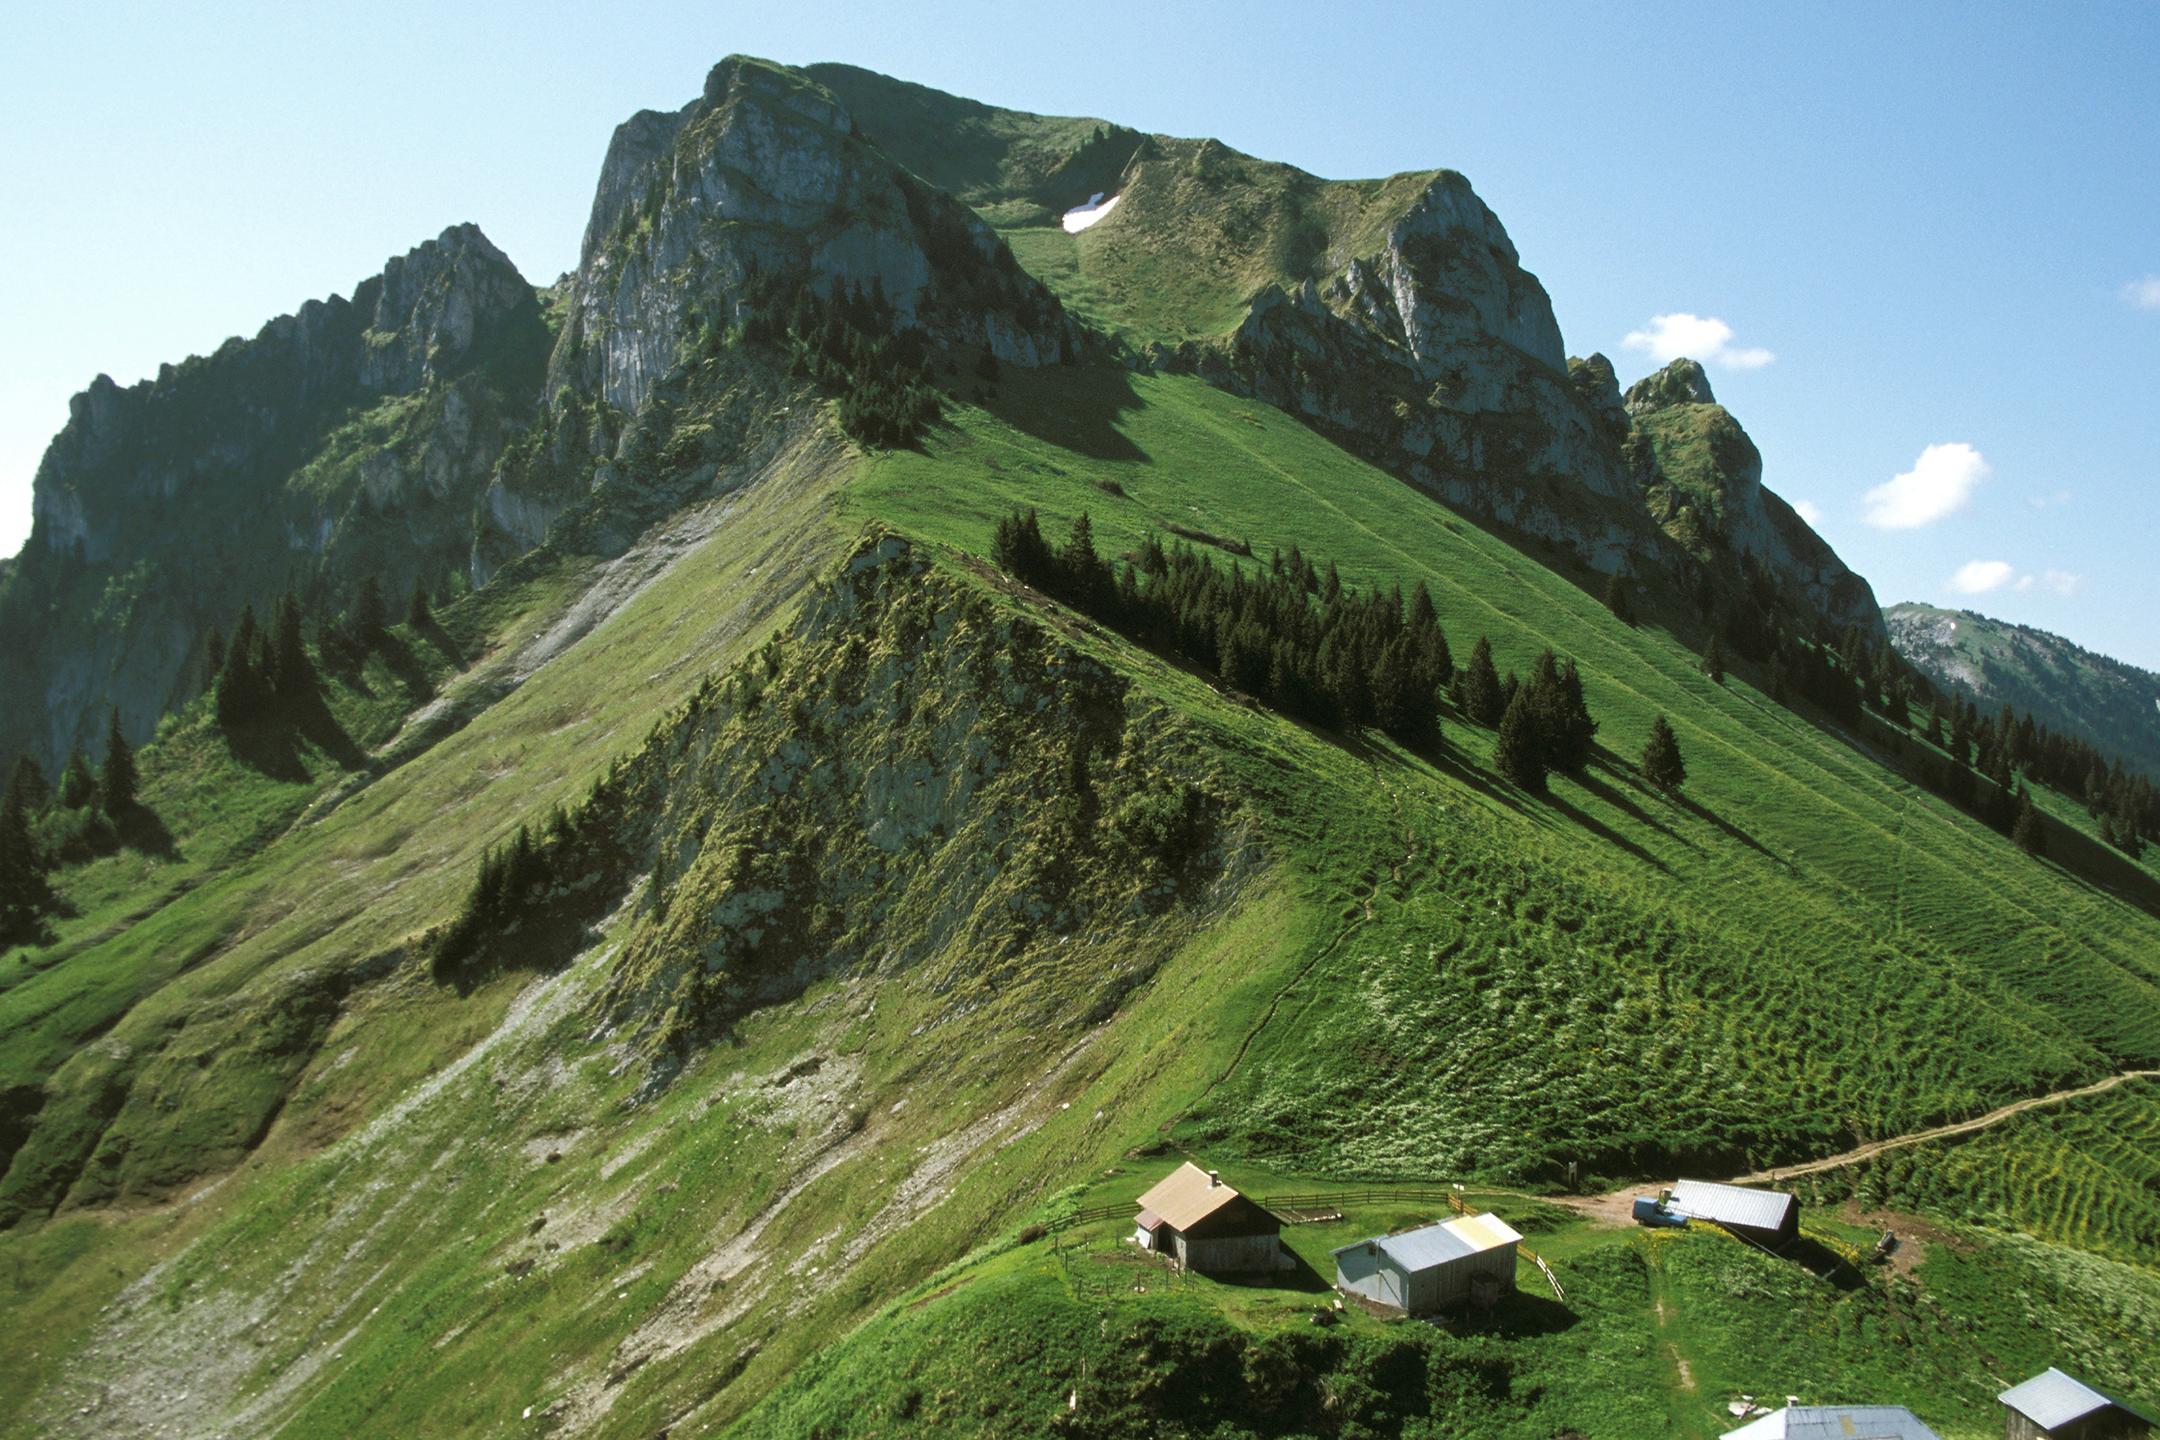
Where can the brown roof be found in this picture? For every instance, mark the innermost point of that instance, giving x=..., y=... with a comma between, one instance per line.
x=1186, y=1197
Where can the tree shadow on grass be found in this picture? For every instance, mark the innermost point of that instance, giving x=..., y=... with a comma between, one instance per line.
x=140, y=829
x=272, y=745
x=412, y=676
x=1616, y=794
x=1605, y=832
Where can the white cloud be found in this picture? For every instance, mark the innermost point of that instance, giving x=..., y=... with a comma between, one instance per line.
x=1941, y=481
x=2062, y=582
x=1708, y=339
x=1977, y=577
x=2143, y=294
x=2048, y=502
x=1809, y=511
x=2024, y=583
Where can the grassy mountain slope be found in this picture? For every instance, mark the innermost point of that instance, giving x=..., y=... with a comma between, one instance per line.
x=1404, y=969
x=2062, y=685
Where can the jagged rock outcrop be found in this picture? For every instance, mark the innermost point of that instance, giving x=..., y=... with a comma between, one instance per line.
x=1683, y=382
x=1437, y=355
x=763, y=181
x=352, y=435
x=1701, y=478
x=765, y=174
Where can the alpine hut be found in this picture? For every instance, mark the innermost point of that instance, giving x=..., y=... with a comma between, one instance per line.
x=1835, y=1422
x=1768, y=1217
x=1434, y=1266
x=1207, y=1225
x=2056, y=1406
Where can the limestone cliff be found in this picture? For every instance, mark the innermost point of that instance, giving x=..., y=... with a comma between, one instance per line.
x=1702, y=479
x=351, y=437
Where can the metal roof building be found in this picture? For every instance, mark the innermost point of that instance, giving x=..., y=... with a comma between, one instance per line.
x=2055, y=1406
x=1835, y=1422
x=1757, y=1213
x=1425, y=1269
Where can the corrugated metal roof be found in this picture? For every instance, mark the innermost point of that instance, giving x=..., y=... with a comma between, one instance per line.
x=1835, y=1422
x=1732, y=1204
x=1433, y=1245
x=1186, y=1197
x=2052, y=1399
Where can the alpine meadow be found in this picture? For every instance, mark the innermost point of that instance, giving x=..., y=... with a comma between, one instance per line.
x=1000, y=776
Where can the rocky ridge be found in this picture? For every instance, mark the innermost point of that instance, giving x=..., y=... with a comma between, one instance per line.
x=352, y=436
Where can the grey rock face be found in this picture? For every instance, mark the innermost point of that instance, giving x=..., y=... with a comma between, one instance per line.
x=353, y=432
x=1680, y=383
x=764, y=175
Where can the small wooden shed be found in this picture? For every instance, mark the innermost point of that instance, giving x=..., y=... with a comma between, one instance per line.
x=2055, y=1406
x=1207, y=1225
x=1434, y=1266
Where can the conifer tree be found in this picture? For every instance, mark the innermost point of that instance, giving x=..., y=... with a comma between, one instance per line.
x=1575, y=733
x=292, y=674
x=241, y=685
x=78, y=787
x=1617, y=598
x=1477, y=685
x=29, y=779
x=1713, y=661
x=371, y=617
x=417, y=614
x=25, y=896
x=1661, y=763
x=2026, y=830
x=116, y=782
x=1516, y=753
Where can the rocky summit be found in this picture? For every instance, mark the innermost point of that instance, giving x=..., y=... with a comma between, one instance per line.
x=1002, y=776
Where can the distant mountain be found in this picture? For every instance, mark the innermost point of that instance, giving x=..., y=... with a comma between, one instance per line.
x=2067, y=688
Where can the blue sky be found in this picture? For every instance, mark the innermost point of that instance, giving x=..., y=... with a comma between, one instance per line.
x=1921, y=243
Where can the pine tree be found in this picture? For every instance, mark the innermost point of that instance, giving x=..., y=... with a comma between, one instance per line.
x=1661, y=763
x=25, y=896
x=1516, y=753
x=1713, y=661
x=29, y=779
x=1617, y=598
x=116, y=781
x=292, y=674
x=78, y=787
x=1575, y=733
x=371, y=617
x=1477, y=685
x=2027, y=830
x=241, y=686
x=417, y=614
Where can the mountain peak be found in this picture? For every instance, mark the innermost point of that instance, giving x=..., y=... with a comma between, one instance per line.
x=1680, y=383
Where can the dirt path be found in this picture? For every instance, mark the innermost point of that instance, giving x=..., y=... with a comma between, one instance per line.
x=1940, y=1132
x=1616, y=1207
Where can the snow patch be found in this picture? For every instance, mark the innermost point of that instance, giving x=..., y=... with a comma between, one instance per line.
x=1081, y=216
